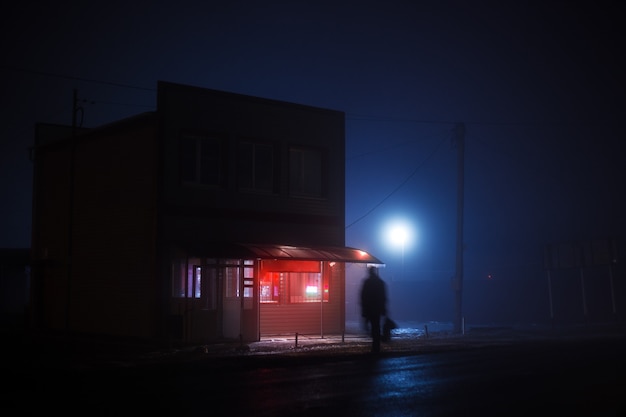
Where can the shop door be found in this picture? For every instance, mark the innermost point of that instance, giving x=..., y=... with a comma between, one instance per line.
x=240, y=306
x=231, y=302
x=225, y=305
x=205, y=317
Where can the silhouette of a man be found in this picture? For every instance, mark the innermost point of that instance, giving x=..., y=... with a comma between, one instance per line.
x=374, y=305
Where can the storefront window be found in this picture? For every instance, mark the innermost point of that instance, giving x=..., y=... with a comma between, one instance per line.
x=293, y=287
x=248, y=279
x=270, y=287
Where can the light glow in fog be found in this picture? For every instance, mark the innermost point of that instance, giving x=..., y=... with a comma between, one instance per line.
x=398, y=233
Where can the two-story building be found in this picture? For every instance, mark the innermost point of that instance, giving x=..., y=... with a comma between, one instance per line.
x=218, y=216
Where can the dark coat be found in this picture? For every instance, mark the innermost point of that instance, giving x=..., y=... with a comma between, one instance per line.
x=373, y=297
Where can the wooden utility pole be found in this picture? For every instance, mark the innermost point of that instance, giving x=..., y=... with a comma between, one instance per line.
x=76, y=109
x=457, y=284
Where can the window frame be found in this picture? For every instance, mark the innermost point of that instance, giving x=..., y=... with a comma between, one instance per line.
x=206, y=153
x=254, y=183
x=303, y=183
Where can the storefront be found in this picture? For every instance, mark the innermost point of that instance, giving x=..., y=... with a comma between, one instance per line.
x=261, y=290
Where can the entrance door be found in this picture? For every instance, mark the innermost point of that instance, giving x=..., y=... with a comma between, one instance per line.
x=222, y=302
x=231, y=302
x=204, y=309
x=240, y=303
x=217, y=309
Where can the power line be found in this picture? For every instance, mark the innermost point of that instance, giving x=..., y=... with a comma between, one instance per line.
x=349, y=116
x=70, y=77
x=520, y=123
x=400, y=185
x=113, y=103
x=380, y=150
x=374, y=118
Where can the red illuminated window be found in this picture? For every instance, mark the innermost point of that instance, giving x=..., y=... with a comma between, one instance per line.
x=270, y=287
x=293, y=287
x=305, y=287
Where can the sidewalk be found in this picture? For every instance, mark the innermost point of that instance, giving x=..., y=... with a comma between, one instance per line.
x=410, y=338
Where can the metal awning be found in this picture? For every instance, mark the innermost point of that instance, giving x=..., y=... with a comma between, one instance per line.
x=318, y=253
x=302, y=253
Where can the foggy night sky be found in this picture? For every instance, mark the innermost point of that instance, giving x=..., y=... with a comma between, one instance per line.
x=539, y=86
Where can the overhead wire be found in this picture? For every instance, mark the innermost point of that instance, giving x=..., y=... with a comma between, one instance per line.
x=378, y=151
x=71, y=77
x=505, y=123
x=349, y=116
x=399, y=186
x=375, y=118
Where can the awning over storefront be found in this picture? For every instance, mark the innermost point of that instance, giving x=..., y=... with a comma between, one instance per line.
x=319, y=253
x=272, y=251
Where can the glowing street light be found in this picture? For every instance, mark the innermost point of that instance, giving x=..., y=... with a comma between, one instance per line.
x=399, y=234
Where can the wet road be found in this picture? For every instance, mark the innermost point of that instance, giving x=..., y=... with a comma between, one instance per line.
x=573, y=378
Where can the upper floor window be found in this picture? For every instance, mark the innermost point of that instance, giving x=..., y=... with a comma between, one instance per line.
x=305, y=172
x=256, y=166
x=201, y=160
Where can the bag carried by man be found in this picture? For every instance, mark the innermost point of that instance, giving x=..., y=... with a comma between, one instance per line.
x=388, y=326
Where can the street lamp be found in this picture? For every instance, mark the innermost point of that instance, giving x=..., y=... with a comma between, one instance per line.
x=398, y=234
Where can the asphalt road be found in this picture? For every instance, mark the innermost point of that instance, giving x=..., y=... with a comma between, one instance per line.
x=573, y=377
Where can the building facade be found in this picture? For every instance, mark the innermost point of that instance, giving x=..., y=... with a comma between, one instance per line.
x=218, y=216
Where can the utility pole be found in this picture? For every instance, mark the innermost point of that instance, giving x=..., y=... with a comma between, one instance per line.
x=457, y=283
x=76, y=109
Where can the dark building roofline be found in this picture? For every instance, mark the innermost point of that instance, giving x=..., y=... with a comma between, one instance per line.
x=83, y=133
x=239, y=96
